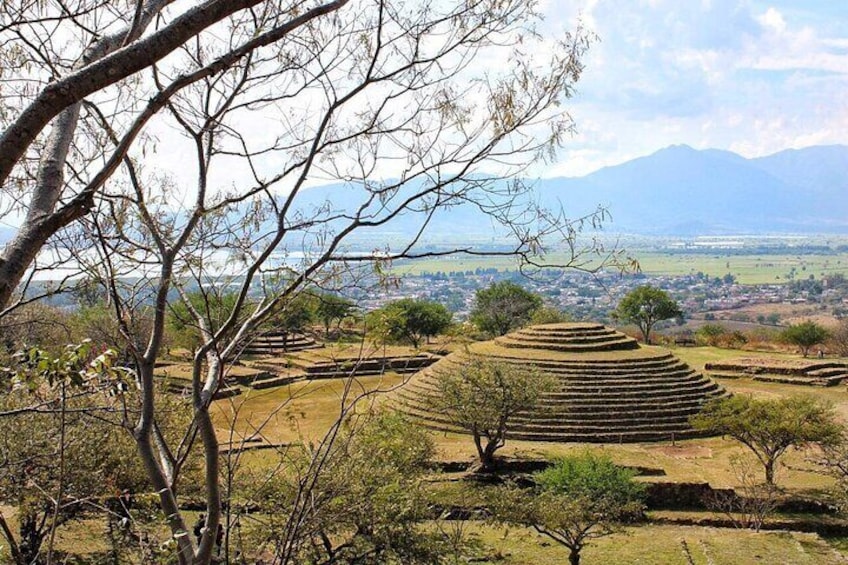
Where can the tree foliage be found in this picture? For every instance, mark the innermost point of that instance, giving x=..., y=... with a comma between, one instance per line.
x=482, y=396
x=409, y=320
x=381, y=100
x=550, y=315
x=77, y=453
x=368, y=502
x=580, y=498
x=332, y=308
x=645, y=306
x=805, y=335
x=503, y=307
x=769, y=427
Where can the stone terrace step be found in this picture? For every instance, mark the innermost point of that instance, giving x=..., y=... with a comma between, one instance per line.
x=637, y=374
x=673, y=414
x=828, y=372
x=583, y=367
x=575, y=340
x=566, y=333
x=581, y=436
x=577, y=361
x=277, y=380
x=574, y=433
x=601, y=427
x=636, y=397
x=798, y=379
x=617, y=344
x=636, y=393
x=271, y=343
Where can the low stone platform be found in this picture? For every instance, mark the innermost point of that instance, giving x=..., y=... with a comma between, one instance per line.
x=812, y=372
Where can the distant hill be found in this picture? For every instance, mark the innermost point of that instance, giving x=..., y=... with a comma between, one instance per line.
x=683, y=191
x=675, y=191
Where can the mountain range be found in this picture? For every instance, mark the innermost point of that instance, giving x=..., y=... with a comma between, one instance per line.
x=683, y=191
x=675, y=191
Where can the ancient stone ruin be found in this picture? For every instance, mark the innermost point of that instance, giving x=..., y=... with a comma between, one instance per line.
x=609, y=389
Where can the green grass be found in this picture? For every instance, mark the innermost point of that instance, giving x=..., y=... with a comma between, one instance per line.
x=295, y=412
x=748, y=269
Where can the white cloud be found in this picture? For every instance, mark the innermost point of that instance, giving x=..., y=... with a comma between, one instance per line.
x=730, y=74
x=773, y=19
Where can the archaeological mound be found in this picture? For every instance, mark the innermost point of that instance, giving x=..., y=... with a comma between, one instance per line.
x=608, y=388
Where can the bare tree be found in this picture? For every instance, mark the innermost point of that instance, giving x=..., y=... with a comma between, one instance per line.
x=751, y=503
x=381, y=98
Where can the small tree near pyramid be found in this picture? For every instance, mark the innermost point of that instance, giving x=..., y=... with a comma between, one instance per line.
x=482, y=397
x=645, y=306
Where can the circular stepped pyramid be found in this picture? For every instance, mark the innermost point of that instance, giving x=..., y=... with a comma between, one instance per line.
x=609, y=389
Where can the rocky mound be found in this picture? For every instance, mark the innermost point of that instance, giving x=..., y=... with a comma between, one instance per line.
x=609, y=388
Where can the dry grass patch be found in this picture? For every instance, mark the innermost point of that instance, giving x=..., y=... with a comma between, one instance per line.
x=299, y=411
x=653, y=545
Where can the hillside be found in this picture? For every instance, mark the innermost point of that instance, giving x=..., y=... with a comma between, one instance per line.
x=683, y=191
x=675, y=191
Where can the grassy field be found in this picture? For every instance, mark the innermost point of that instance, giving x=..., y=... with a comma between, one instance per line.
x=748, y=269
x=304, y=411
x=654, y=544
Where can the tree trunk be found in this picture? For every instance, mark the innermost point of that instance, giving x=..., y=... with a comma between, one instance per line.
x=158, y=480
x=769, y=465
x=574, y=556
x=486, y=454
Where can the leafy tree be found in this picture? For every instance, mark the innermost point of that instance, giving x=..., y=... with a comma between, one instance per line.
x=645, y=306
x=213, y=306
x=362, y=81
x=409, y=320
x=709, y=334
x=770, y=427
x=368, y=501
x=293, y=315
x=503, y=307
x=579, y=499
x=482, y=396
x=805, y=335
x=333, y=308
x=549, y=315
x=76, y=448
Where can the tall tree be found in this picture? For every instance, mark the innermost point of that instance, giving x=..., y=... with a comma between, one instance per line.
x=502, y=307
x=645, y=306
x=380, y=97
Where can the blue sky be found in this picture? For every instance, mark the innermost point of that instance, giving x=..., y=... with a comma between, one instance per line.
x=752, y=77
